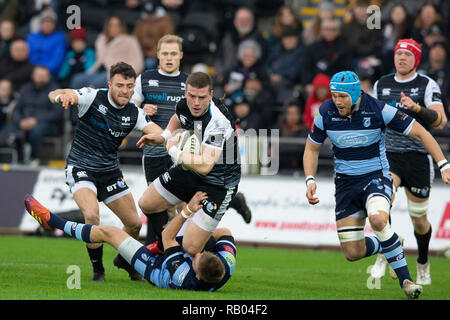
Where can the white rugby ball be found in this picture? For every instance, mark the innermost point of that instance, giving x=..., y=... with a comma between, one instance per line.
x=189, y=142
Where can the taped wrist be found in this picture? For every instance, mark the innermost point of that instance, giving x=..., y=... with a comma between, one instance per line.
x=431, y=117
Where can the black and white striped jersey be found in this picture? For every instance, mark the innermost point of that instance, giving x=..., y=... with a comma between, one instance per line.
x=101, y=128
x=422, y=90
x=216, y=127
x=163, y=90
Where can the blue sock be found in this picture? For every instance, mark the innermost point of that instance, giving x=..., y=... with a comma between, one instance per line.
x=393, y=251
x=77, y=230
x=372, y=246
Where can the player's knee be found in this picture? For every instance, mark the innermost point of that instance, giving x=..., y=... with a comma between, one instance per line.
x=353, y=254
x=91, y=216
x=134, y=226
x=378, y=210
x=145, y=205
x=418, y=209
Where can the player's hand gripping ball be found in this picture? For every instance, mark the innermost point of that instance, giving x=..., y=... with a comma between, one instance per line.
x=189, y=142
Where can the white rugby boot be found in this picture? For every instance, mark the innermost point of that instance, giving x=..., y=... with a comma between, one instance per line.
x=411, y=289
x=379, y=268
x=423, y=274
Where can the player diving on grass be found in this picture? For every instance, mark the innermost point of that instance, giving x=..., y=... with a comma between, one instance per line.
x=356, y=124
x=215, y=171
x=205, y=271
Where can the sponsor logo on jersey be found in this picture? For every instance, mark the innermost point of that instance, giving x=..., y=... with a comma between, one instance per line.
x=126, y=121
x=81, y=174
x=414, y=91
x=106, y=127
x=102, y=109
x=352, y=139
x=163, y=97
x=386, y=92
x=183, y=119
x=153, y=83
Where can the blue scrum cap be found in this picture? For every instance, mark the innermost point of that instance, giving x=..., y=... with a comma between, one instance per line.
x=347, y=82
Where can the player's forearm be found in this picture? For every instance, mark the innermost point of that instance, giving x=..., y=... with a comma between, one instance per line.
x=54, y=96
x=431, y=117
x=201, y=164
x=421, y=134
x=169, y=234
x=310, y=160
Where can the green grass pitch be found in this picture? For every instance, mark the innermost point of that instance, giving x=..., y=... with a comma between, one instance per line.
x=35, y=268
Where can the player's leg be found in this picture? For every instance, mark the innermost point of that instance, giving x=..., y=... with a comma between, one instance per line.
x=378, y=208
x=417, y=208
x=131, y=249
x=153, y=168
x=84, y=191
x=199, y=230
x=418, y=186
x=116, y=195
x=86, y=199
x=239, y=204
x=354, y=244
x=379, y=268
x=125, y=209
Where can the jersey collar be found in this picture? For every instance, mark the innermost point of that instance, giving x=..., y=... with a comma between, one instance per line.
x=406, y=80
x=169, y=74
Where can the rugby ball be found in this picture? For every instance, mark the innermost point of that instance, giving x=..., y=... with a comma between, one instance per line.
x=189, y=142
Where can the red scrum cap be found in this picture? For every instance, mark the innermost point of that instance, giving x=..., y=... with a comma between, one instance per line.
x=412, y=46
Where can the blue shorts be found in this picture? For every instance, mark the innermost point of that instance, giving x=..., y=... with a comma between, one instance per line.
x=352, y=192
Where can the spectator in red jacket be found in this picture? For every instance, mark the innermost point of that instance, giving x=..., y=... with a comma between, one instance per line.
x=320, y=93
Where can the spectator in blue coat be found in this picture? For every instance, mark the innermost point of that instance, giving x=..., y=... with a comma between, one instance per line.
x=47, y=46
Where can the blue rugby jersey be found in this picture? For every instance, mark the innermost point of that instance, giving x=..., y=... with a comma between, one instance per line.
x=359, y=145
x=174, y=269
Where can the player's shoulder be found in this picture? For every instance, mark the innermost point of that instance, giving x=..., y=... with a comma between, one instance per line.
x=426, y=80
x=326, y=106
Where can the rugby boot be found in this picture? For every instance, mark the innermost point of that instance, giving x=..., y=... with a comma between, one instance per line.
x=240, y=205
x=411, y=289
x=423, y=273
x=37, y=211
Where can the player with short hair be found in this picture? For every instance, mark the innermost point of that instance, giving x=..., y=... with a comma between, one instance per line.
x=158, y=91
x=356, y=124
x=205, y=271
x=215, y=171
x=106, y=117
x=411, y=166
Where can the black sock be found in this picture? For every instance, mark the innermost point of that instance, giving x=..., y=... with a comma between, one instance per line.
x=423, y=240
x=96, y=256
x=155, y=224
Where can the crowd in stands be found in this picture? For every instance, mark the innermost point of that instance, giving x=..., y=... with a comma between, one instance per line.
x=272, y=66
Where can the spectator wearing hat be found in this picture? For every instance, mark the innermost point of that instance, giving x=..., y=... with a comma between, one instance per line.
x=47, y=46
x=78, y=59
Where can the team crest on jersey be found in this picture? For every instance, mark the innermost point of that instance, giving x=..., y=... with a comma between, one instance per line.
x=414, y=91
x=183, y=86
x=102, y=109
x=366, y=122
x=386, y=91
x=153, y=83
x=126, y=121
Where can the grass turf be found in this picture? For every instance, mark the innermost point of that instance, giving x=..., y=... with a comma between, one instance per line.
x=35, y=268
